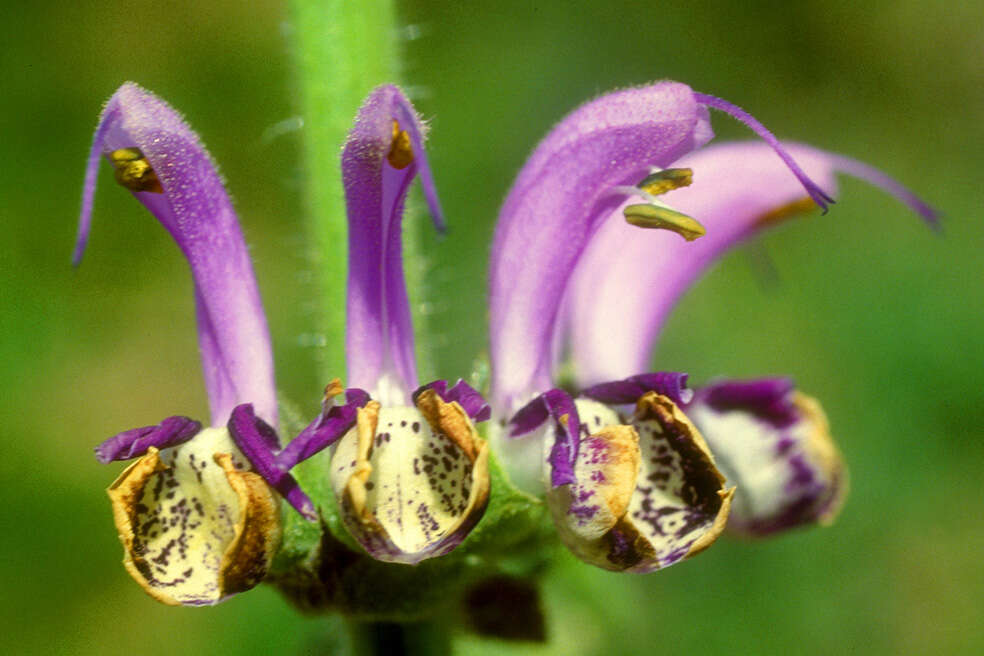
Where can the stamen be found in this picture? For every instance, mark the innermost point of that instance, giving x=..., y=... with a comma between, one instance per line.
x=133, y=171
x=663, y=218
x=787, y=211
x=660, y=182
x=333, y=389
x=400, y=155
x=816, y=193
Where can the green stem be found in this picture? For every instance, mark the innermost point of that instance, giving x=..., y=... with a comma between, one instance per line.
x=396, y=639
x=342, y=49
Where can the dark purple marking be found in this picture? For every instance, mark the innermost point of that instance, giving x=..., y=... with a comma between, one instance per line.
x=250, y=433
x=769, y=399
x=670, y=384
x=467, y=397
x=136, y=441
x=555, y=403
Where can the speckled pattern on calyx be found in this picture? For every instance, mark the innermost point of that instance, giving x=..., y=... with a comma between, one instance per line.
x=411, y=481
x=196, y=526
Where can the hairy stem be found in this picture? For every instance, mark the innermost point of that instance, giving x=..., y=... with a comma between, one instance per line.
x=342, y=49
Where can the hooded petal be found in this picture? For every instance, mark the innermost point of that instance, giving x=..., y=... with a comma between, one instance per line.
x=383, y=153
x=774, y=444
x=559, y=197
x=159, y=158
x=196, y=527
x=628, y=279
x=411, y=482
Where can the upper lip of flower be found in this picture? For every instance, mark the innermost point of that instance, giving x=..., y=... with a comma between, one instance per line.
x=194, y=207
x=379, y=333
x=554, y=272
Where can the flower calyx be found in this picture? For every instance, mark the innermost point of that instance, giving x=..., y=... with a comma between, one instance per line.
x=196, y=525
x=774, y=443
x=412, y=481
x=644, y=491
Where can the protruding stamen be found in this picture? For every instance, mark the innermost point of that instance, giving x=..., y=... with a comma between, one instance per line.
x=400, y=155
x=333, y=389
x=133, y=171
x=666, y=180
x=787, y=211
x=663, y=218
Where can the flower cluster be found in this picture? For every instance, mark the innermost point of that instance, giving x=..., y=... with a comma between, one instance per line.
x=637, y=470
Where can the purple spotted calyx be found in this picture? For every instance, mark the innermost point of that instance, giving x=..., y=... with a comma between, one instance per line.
x=644, y=492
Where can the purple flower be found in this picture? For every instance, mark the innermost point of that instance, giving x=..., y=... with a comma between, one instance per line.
x=412, y=478
x=573, y=274
x=211, y=489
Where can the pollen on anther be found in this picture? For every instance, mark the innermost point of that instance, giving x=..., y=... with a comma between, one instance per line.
x=133, y=171
x=400, y=153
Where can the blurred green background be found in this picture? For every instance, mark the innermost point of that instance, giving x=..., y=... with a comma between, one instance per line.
x=865, y=307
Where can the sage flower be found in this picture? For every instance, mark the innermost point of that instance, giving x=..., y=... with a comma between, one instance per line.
x=771, y=441
x=412, y=477
x=632, y=483
x=198, y=513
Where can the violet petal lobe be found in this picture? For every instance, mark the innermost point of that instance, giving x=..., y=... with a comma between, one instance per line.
x=195, y=208
x=670, y=384
x=383, y=153
x=324, y=431
x=554, y=404
x=557, y=201
x=629, y=279
x=136, y=441
x=254, y=438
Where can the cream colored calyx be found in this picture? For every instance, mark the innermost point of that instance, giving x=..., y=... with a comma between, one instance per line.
x=411, y=479
x=823, y=452
x=195, y=526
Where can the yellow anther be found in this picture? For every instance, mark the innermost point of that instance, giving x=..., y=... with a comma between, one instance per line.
x=334, y=388
x=400, y=154
x=133, y=171
x=787, y=211
x=666, y=180
x=663, y=218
